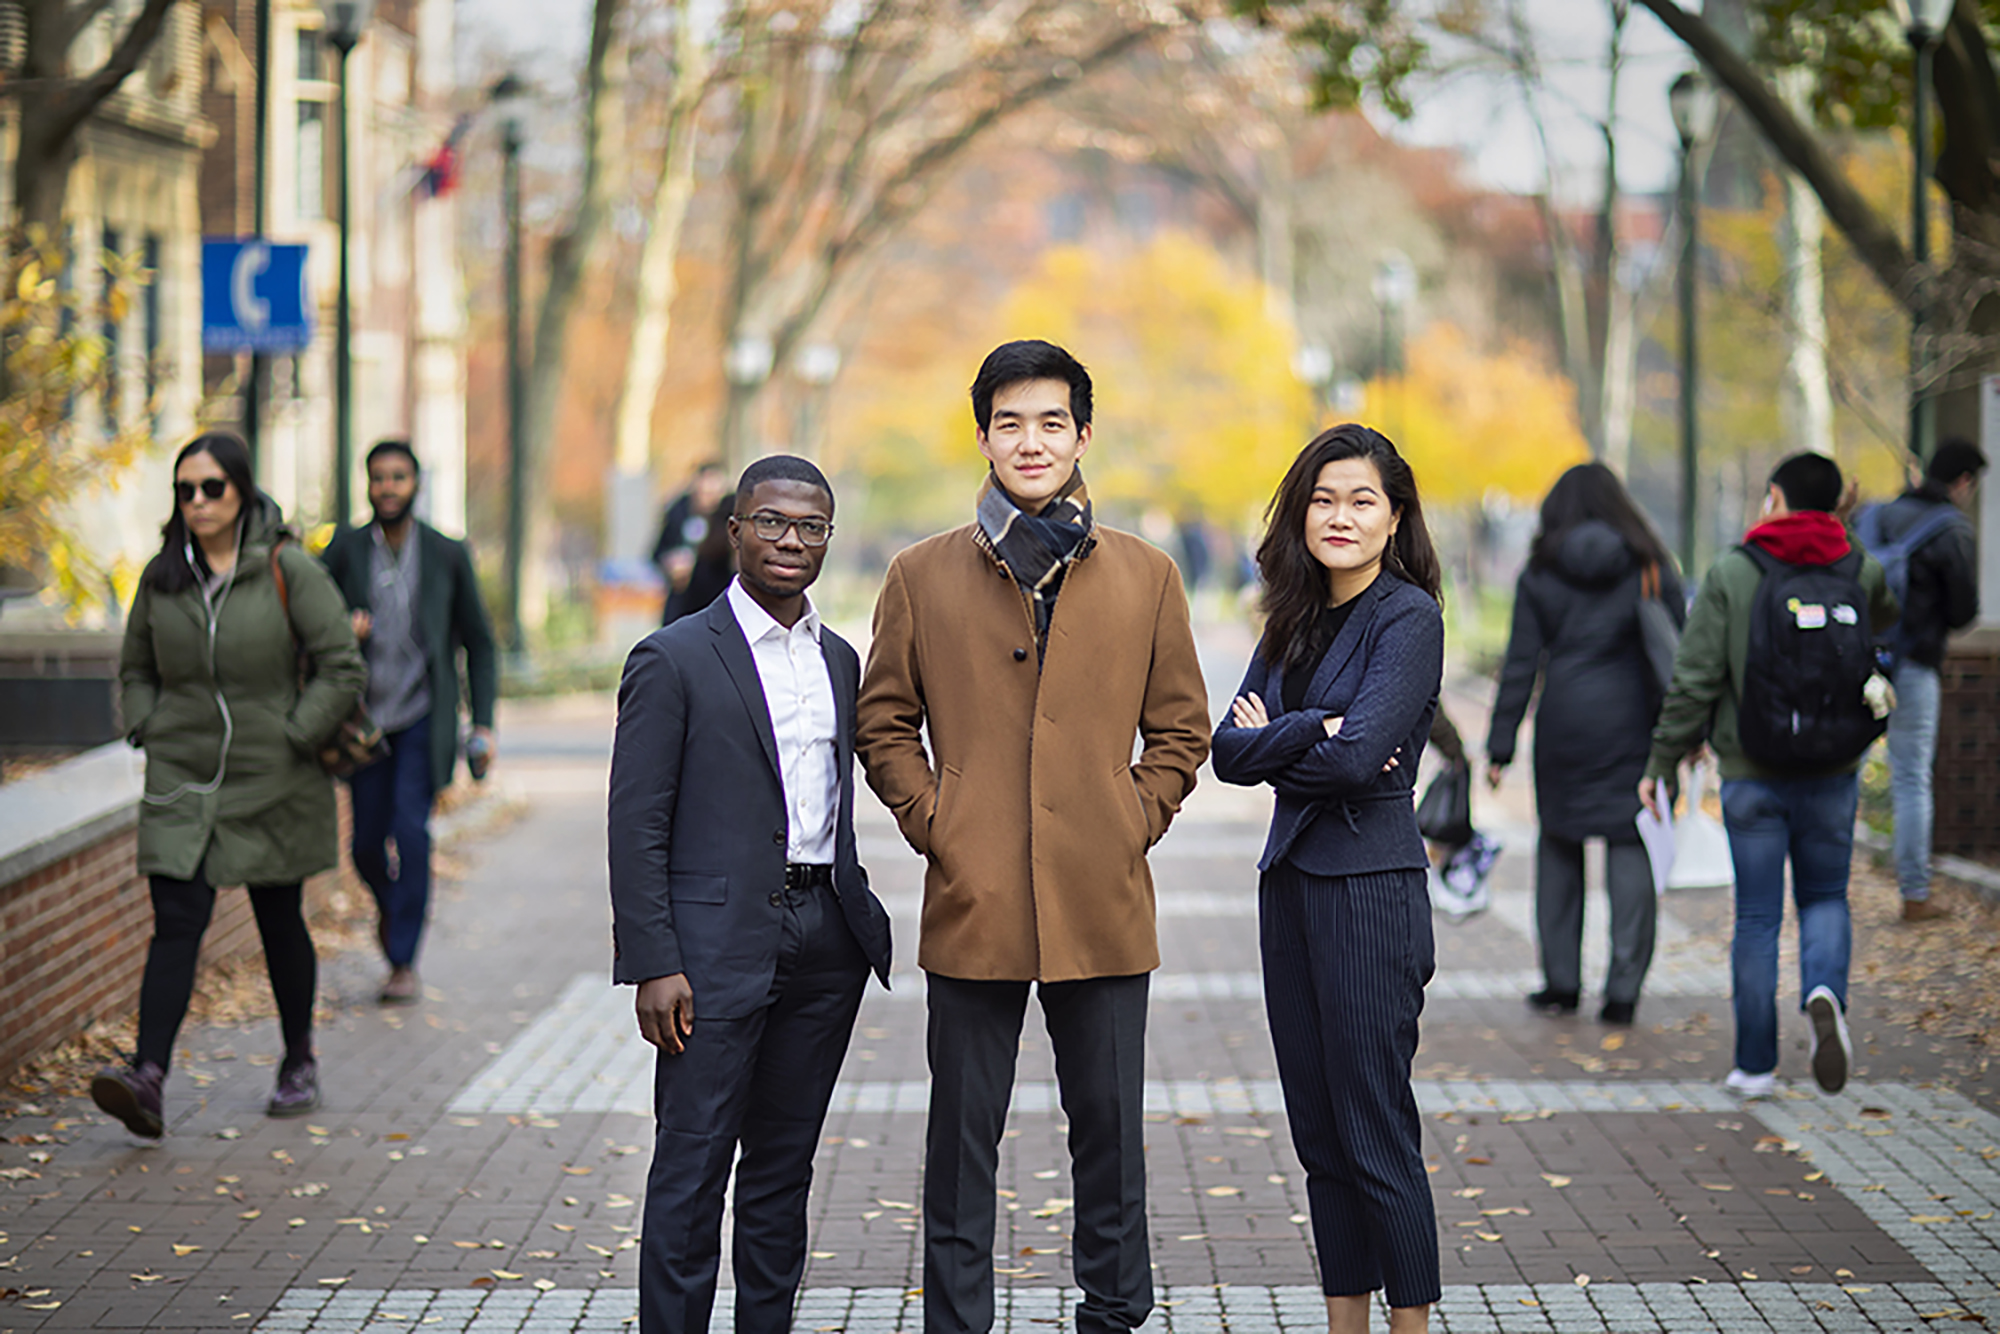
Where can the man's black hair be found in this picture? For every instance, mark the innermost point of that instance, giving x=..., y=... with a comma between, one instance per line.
x=783, y=468
x=1955, y=458
x=393, y=446
x=1809, y=481
x=1029, y=359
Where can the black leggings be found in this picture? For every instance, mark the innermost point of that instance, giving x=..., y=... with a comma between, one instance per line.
x=181, y=909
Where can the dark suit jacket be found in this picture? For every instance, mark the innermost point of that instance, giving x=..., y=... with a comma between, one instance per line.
x=451, y=616
x=1338, y=813
x=698, y=825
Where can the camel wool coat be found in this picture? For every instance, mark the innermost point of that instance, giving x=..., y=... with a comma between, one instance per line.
x=1030, y=808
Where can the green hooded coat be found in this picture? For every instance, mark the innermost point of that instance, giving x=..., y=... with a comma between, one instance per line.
x=262, y=814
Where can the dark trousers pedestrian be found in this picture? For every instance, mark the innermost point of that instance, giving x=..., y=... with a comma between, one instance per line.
x=392, y=804
x=1635, y=913
x=760, y=1084
x=1098, y=1029
x=1345, y=963
x=181, y=913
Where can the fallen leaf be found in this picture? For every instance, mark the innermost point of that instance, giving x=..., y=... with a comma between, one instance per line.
x=470, y=1245
x=1192, y=1236
x=1802, y=1269
x=318, y=1130
x=1879, y=1113
x=1716, y=1185
x=1930, y=1218
x=332, y=1282
x=504, y=1273
x=1557, y=1181
x=1583, y=1280
x=1298, y=1218
x=1487, y=1236
x=1480, y=1162
x=1049, y=1175
x=544, y=1285
x=295, y=1222
x=821, y=1255
x=421, y=1240
x=1611, y=1042
x=563, y=1227
x=577, y=1171
x=1221, y=1192
x=1470, y=1192
x=1527, y=1301
x=249, y=1214
x=41, y=1306
x=184, y=1250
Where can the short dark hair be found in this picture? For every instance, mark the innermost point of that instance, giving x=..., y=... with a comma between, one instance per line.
x=783, y=468
x=393, y=446
x=1955, y=458
x=1809, y=481
x=1029, y=359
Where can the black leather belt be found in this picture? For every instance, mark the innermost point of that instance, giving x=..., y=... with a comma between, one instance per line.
x=807, y=875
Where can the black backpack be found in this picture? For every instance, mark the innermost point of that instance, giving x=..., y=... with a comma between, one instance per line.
x=1811, y=653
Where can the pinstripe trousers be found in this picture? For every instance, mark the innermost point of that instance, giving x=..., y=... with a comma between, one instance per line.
x=1345, y=963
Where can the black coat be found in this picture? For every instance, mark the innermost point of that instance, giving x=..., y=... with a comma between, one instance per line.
x=1576, y=626
x=697, y=817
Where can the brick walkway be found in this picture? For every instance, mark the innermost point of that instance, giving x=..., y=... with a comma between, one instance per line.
x=480, y=1159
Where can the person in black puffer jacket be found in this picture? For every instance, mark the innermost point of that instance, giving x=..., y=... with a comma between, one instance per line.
x=1576, y=627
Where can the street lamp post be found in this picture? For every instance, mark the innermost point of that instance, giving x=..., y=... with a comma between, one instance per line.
x=509, y=97
x=746, y=365
x=1395, y=287
x=1692, y=100
x=1313, y=365
x=1923, y=23
x=816, y=364
x=344, y=21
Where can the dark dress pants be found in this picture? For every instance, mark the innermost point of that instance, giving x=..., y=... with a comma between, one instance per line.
x=1098, y=1029
x=1628, y=875
x=1345, y=963
x=392, y=802
x=760, y=1083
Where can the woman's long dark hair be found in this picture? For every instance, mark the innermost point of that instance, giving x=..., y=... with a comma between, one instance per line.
x=1592, y=491
x=169, y=571
x=1295, y=585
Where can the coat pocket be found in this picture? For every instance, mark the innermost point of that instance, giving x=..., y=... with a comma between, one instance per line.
x=697, y=888
x=1132, y=805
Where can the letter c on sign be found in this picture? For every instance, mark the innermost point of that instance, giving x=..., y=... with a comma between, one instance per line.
x=253, y=313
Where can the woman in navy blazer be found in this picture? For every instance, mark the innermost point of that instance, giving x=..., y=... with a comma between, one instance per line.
x=1333, y=713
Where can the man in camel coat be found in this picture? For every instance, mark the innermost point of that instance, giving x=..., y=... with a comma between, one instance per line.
x=1038, y=648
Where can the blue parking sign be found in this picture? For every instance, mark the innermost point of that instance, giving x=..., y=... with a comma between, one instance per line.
x=253, y=296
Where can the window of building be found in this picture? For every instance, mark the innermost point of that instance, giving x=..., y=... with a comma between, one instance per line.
x=312, y=56
x=114, y=379
x=312, y=160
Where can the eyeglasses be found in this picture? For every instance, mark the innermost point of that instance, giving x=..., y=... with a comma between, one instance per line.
x=771, y=527
x=212, y=487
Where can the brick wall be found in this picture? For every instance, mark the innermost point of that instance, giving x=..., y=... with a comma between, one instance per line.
x=1967, y=783
x=73, y=939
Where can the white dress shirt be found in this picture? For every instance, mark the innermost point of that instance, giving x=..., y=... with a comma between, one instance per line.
x=798, y=691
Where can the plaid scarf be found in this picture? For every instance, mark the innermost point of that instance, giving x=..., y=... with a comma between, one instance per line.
x=1037, y=549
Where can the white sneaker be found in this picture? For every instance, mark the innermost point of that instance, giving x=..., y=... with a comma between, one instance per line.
x=1833, y=1051
x=1747, y=1085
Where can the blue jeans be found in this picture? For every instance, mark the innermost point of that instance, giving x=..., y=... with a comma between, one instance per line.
x=392, y=802
x=1811, y=822
x=1913, y=733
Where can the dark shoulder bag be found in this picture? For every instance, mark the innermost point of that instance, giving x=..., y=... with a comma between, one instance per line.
x=357, y=742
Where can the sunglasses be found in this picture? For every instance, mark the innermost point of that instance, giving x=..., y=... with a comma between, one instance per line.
x=212, y=487
x=771, y=527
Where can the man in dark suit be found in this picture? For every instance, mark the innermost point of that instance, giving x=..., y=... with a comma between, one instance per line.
x=415, y=603
x=736, y=894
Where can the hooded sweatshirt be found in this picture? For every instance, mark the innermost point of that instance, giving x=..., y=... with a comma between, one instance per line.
x=1715, y=646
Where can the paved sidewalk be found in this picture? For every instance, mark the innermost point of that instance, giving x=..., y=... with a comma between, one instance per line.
x=480, y=1161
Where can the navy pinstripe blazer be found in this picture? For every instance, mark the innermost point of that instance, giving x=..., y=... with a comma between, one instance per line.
x=1338, y=813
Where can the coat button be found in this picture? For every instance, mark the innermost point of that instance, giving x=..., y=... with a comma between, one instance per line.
x=1020, y=655
x=778, y=837
x=776, y=899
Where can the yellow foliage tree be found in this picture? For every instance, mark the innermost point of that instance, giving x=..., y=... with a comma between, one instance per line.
x=1196, y=405
x=48, y=363
x=1471, y=422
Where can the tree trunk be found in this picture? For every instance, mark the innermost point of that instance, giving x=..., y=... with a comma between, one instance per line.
x=1806, y=408
x=646, y=363
x=569, y=256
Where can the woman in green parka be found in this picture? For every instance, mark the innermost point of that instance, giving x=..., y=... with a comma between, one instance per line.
x=234, y=794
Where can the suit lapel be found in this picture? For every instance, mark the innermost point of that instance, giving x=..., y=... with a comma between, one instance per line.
x=1346, y=641
x=842, y=676
x=734, y=650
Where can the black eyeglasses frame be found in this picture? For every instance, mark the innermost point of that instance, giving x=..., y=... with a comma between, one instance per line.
x=215, y=488
x=771, y=527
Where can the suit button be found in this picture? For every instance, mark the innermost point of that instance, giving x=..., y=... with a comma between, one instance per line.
x=778, y=837
x=776, y=899
x=1020, y=655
